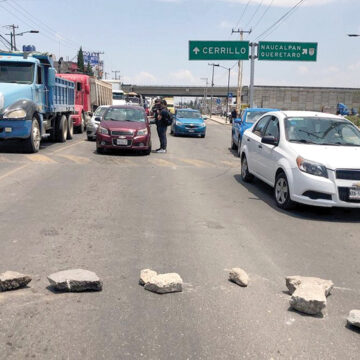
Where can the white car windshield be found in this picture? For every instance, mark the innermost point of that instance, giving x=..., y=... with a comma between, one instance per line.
x=124, y=114
x=252, y=116
x=100, y=111
x=321, y=131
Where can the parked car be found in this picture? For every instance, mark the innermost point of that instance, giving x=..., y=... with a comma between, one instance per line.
x=94, y=122
x=124, y=127
x=308, y=157
x=188, y=122
x=246, y=120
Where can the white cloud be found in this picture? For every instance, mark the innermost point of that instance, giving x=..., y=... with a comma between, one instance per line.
x=142, y=78
x=302, y=70
x=225, y=25
x=184, y=77
x=284, y=3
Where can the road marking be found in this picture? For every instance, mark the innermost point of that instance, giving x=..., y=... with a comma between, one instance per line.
x=76, y=159
x=163, y=163
x=197, y=163
x=4, y=159
x=13, y=171
x=231, y=163
x=69, y=146
x=40, y=158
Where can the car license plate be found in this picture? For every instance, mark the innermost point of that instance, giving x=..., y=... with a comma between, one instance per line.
x=8, y=129
x=354, y=194
x=121, y=141
x=191, y=130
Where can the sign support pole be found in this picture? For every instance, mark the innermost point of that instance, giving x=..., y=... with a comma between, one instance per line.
x=252, y=74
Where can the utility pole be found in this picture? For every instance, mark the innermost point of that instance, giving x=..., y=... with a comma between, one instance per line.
x=212, y=86
x=252, y=71
x=205, y=92
x=12, y=35
x=240, y=64
x=106, y=74
x=116, y=72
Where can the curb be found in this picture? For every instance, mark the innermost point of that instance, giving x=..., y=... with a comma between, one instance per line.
x=219, y=122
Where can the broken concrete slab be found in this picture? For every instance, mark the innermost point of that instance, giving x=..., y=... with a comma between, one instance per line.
x=146, y=275
x=309, y=299
x=239, y=276
x=164, y=283
x=293, y=282
x=12, y=280
x=75, y=280
x=354, y=318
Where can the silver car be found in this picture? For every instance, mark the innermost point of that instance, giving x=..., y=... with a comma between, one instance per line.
x=93, y=124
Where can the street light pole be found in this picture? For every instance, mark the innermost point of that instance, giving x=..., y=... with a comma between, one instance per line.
x=13, y=35
x=212, y=86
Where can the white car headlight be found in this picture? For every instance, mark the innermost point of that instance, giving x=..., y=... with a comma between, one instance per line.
x=142, y=132
x=103, y=131
x=15, y=114
x=203, y=124
x=311, y=167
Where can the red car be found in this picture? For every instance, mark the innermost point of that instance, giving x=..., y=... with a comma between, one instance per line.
x=124, y=127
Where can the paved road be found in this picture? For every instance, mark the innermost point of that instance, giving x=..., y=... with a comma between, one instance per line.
x=185, y=211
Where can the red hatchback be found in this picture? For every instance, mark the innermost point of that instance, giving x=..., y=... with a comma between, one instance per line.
x=124, y=127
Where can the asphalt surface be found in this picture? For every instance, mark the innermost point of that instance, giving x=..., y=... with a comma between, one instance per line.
x=186, y=211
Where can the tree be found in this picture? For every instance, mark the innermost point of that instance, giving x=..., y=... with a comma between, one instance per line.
x=89, y=70
x=80, y=61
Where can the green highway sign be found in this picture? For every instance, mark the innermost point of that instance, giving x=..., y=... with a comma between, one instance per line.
x=218, y=50
x=285, y=51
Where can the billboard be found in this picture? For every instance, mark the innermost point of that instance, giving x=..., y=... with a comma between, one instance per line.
x=91, y=57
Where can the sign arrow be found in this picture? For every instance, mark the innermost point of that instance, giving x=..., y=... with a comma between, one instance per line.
x=196, y=50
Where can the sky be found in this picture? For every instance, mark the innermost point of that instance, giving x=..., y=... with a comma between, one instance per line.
x=147, y=40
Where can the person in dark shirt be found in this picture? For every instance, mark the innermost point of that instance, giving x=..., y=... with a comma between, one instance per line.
x=161, y=121
x=233, y=115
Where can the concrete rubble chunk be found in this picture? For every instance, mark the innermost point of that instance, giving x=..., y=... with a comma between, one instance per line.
x=309, y=299
x=164, y=283
x=239, y=276
x=11, y=280
x=293, y=282
x=75, y=280
x=146, y=275
x=354, y=318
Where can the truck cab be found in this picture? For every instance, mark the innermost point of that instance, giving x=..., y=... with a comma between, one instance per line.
x=82, y=99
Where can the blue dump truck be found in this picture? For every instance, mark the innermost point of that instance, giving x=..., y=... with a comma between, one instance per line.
x=34, y=102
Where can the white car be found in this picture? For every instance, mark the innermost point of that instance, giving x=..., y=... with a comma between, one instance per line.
x=307, y=157
x=93, y=124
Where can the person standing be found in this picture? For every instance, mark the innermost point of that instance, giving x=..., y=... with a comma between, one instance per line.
x=233, y=115
x=163, y=119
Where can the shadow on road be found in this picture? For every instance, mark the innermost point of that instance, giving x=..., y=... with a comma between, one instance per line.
x=264, y=192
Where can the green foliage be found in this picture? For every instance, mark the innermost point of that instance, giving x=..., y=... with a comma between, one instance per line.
x=89, y=70
x=80, y=61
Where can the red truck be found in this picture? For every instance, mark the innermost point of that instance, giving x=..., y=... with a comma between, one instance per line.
x=89, y=94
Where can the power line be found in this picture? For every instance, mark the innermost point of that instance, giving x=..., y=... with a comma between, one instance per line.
x=243, y=13
x=30, y=17
x=264, y=13
x=255, y=12
x=26, y=23
x=277, y=22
